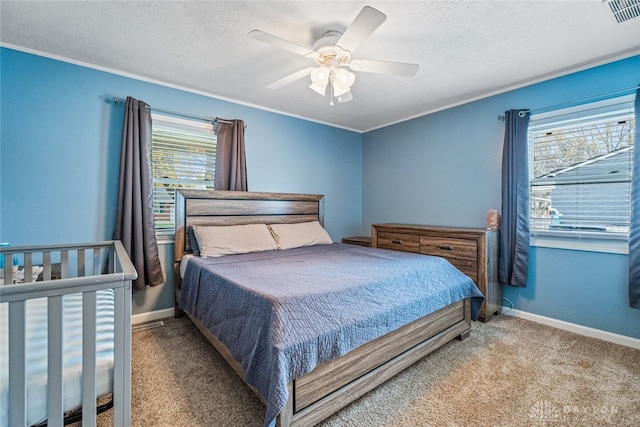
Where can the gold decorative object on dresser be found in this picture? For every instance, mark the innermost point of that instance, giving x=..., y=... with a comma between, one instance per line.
x=474, y=251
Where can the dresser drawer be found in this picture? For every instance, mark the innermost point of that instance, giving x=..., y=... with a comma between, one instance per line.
x=449, y=248
x=468, y=267
x=399, y=241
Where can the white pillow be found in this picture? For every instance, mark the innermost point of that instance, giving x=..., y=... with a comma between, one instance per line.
x=300, y=234
x=215, y=241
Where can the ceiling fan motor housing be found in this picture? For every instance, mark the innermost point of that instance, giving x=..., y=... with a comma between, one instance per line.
x=327, y=54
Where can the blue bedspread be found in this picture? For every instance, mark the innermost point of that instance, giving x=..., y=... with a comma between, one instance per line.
x=281, y=313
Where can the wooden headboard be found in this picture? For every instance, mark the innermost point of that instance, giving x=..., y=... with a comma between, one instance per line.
x=217, y=207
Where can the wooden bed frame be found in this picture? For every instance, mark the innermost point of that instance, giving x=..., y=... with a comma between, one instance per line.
x=334, y=384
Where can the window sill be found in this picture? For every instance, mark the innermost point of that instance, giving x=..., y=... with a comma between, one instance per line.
x=590, y=242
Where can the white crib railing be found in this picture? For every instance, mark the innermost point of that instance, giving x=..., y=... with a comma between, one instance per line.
x=87, y=269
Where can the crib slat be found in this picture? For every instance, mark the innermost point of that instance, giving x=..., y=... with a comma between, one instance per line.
x=17, y=364
x=89, y=332
x=28, y=267
x=8, y=272
x=112, y=261
x=46, y=265
x=122, y=358
x=55, y=384
x=64, y=264
x=96, y=261
x=81, y=266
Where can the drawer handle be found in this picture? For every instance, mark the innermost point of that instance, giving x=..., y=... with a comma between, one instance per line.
x=446, y=248
x=396, y=242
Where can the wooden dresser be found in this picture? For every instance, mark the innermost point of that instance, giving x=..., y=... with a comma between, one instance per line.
x=474, y=251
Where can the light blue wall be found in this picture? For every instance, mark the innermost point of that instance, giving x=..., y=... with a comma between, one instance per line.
x=445, y=168
x=59, y=155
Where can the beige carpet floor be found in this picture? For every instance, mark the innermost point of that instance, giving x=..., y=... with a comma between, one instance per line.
x=509, y=372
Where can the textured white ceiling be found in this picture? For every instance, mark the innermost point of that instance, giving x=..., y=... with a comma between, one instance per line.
x=466, y=49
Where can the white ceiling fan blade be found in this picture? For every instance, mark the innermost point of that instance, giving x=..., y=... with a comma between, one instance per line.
x=281, y=43
x=367, y=21
x=290, y=78
x=384, y=67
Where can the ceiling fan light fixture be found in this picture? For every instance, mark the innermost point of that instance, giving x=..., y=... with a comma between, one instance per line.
x=320, y=76
x=320, y=79
x=339, y=90
x=342, y=81
x=332, y=53
x=322, y=90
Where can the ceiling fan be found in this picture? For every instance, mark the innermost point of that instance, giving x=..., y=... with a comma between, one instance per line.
x=332, y=54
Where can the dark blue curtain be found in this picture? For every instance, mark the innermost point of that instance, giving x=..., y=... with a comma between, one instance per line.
x=134, y=215
x=634, y=223
x=231, y=164
x=513, y=265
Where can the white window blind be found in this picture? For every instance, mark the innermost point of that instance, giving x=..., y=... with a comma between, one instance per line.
x=580, y=172
x=183, y=156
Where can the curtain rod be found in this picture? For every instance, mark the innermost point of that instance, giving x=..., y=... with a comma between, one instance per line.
x=578, y=101
x=173, y=113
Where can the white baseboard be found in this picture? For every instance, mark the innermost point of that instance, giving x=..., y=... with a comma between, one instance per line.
x=151, y=316
x=572, y=327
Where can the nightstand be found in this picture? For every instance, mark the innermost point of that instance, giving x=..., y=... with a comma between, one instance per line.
x=358, y=240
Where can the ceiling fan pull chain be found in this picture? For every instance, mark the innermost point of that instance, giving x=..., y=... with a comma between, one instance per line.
x=331, y=93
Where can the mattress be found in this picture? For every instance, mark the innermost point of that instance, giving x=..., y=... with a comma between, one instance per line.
x=282, y=313
x=36, y=359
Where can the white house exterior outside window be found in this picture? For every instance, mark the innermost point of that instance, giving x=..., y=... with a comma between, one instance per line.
x=580, y=174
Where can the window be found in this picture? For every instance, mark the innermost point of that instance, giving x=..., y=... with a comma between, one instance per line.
x=580, y=176
x=183, y=155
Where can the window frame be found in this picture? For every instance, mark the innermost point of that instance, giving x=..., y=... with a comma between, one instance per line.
x=577, y=240
x=169, y=237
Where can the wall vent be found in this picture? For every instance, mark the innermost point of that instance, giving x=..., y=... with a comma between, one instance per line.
x=145, y=326
x=623, y=10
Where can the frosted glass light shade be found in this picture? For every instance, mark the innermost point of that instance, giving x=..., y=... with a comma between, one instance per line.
x=320, y=79
x=342, y=82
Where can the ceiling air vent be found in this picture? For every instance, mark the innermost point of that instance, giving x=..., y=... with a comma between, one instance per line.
x=623, y=10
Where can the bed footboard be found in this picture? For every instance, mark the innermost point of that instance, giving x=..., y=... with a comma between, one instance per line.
x=335, y=384
x=83, y=269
